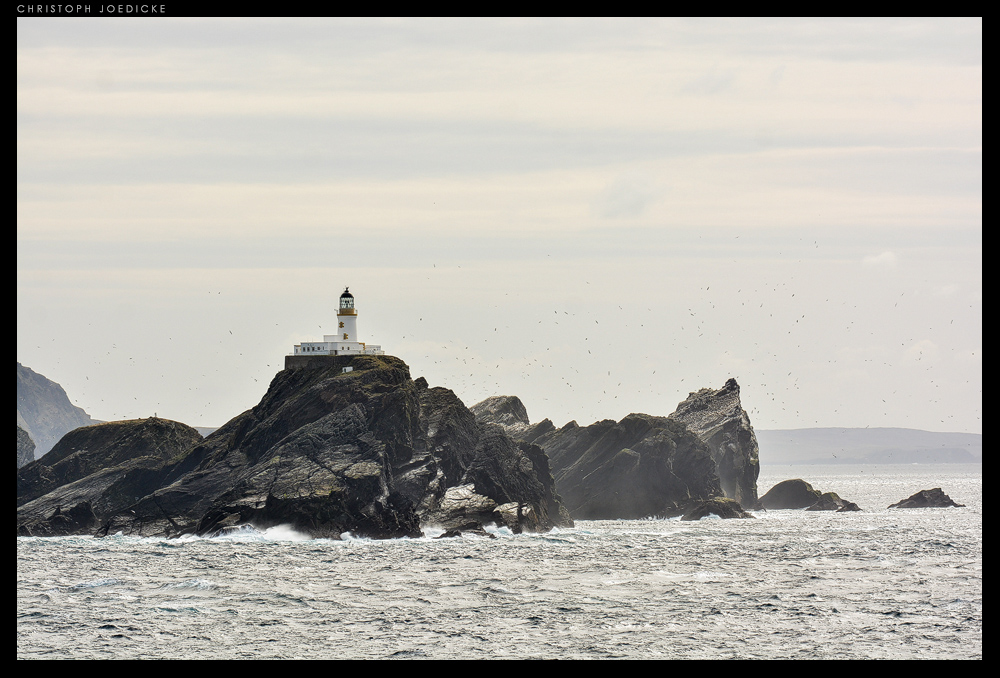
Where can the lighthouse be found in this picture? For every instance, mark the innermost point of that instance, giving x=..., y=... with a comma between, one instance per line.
x=345, y=342
x=347, y=317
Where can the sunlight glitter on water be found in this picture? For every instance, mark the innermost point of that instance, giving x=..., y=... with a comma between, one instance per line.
x=788, y=584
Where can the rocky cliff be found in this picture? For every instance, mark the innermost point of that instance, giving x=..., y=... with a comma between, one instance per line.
x=645, y=465
x=505, y=411
x=44, y=410
x=638, y=467
x=96, y=471
x=25, y=447
x=369, y=451
x=718, y=418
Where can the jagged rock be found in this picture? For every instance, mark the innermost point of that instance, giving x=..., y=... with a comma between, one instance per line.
x=78, y=519
x=509, y=413
x=718, y=418
x=449, y=534
x=44, y=410
x=370, y=452
x=118, y=446
x=511, y=473
x=831, y=501
x=25, y=448
x=629, y=469
x=103, y=468
x=462, y=508
x=479, y=532
x=643, y=464
x=536, y=431
x=719, y=506
x=934, y=498
x=506, y=411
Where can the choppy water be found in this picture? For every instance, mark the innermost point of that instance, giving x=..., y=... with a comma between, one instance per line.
x=790, y=584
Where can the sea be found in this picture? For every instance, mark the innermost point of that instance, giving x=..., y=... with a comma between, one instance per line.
x=792, y=584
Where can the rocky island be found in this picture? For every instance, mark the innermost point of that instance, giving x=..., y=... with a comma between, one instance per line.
x=935, y=498
x=798, y=494
x=351, y=444
x=646, y=465
x=328, y=450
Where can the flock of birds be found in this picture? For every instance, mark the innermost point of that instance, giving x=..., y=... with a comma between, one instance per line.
x=620, y=357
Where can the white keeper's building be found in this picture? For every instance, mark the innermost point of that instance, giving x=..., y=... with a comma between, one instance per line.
x=345, y=342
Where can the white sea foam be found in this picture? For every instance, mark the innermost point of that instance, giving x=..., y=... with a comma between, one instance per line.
x=192, y=584
x=285, y=533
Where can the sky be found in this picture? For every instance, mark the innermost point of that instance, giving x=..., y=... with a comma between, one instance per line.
x=597, y=216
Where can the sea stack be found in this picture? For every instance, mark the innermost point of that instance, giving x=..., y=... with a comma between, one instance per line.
x=718, y=418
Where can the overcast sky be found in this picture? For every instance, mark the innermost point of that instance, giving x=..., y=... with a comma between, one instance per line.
x=598, y=216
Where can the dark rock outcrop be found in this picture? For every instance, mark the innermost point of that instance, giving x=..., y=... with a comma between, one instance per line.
x=798, y=494
x=635, y=468
x=96, y=471
x=44, y=410
x=509, y=413
x=718, y=418
x=934, y=498
x=722, y=507
x=831, y=501
x=505, y=411
x=644, y=465
x=790, y=494
x=370, y=452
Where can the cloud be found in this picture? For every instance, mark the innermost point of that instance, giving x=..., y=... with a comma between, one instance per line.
x=627, y=196
x=885, y=260
x=713, y=81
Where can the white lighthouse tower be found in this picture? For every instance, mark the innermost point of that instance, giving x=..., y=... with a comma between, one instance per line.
x=345, y=342
x=347, y=317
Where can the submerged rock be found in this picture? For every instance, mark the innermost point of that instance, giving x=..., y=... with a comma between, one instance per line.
x=935, y=498
x=722, y=507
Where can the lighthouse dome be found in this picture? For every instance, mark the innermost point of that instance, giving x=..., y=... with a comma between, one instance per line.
x=347, y=302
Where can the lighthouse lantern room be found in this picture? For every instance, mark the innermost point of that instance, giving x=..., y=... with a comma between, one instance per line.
x=345, y=342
